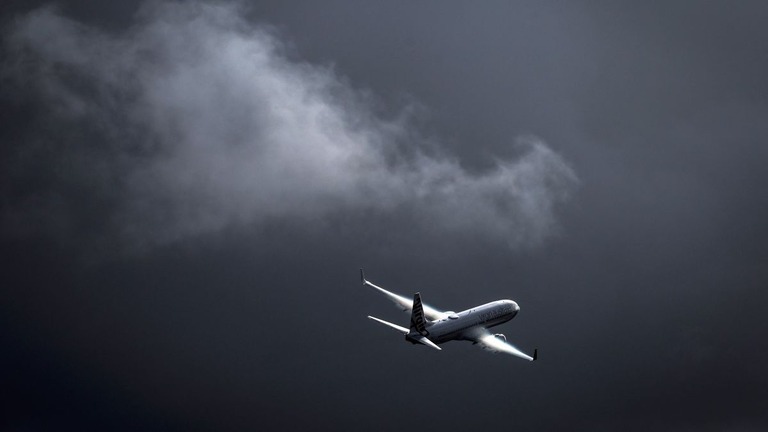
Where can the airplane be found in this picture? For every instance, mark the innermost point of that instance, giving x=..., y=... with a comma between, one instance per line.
x=432, y=327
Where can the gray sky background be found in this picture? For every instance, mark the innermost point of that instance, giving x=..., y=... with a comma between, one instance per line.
x=188, y=191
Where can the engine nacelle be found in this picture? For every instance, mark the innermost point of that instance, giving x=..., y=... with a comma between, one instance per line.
x=500, y=336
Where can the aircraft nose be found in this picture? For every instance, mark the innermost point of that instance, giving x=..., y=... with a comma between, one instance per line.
x=515, y=307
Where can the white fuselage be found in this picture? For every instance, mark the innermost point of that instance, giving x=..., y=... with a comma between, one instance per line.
x=459, y=326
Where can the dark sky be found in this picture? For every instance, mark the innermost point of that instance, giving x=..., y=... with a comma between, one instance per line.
x=188, y=191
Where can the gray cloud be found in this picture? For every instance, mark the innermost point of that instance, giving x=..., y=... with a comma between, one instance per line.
x=203, y=121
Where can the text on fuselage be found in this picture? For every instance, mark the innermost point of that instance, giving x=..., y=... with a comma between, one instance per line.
x=495, y=313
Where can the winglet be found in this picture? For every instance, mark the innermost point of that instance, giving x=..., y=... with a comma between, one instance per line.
x=535, y=354
x=362, y=277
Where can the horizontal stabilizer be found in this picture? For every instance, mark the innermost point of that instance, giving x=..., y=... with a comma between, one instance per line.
x=423, y=340
x=402, y=330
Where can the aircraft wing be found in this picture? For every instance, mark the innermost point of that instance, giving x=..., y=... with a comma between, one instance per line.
x=490, y=342
x=405, y=303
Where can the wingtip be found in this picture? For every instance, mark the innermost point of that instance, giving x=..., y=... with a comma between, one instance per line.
x=535, y=354
x=362, y=277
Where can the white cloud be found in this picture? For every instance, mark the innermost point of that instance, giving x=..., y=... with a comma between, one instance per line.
x=208, y=124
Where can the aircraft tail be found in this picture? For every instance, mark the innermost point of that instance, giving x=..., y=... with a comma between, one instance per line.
x=418, y=332
x=418, y=322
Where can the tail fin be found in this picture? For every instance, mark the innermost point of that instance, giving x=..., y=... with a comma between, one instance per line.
x=418, y=323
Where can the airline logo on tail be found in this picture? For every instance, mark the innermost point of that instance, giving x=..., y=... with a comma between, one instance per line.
x=418, y=323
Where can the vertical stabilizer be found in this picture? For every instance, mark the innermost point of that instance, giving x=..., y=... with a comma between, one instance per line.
x=418, y=322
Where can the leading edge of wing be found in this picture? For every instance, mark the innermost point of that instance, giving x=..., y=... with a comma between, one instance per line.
x=488, y=341
x=404, y=303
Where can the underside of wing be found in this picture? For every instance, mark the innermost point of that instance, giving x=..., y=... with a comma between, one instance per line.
x=405, y=303
x=491, y=342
